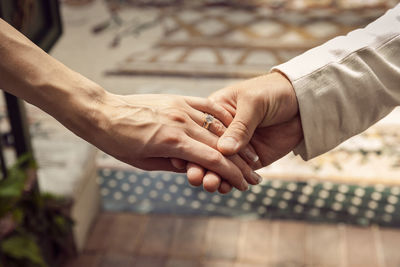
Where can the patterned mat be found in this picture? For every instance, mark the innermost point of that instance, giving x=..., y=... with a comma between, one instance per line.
x=166, y=193
x=356, y=183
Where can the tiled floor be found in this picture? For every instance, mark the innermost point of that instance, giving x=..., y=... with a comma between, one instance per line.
x=126, y=239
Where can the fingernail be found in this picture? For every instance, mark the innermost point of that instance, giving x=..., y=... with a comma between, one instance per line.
x=256, y=177
x=245, y=186
x=228, y=143
x=252, y=156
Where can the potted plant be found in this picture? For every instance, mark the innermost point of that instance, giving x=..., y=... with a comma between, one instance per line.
x=35, y=228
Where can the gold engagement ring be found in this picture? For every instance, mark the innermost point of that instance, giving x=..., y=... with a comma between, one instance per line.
x=208, y=120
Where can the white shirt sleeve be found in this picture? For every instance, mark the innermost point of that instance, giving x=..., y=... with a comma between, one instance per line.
x=347, y=84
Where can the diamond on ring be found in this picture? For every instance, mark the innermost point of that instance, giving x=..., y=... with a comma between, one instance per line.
x=208, y=120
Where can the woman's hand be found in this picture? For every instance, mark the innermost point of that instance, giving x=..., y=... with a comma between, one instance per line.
x=147, y=130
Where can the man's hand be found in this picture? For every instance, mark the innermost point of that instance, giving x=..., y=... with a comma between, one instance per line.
x=265, y=112
x=256, y=103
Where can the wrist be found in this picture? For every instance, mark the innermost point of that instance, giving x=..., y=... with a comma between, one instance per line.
x=290, y=98
x=89, y=111
x=281, y=99
x=74, y=101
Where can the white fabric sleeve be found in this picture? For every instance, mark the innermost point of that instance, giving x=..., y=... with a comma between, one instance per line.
x=347, y=84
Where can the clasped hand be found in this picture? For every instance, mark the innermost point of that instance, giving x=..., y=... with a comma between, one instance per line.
x=147, y=130
x=163, y=132
x=266, y=117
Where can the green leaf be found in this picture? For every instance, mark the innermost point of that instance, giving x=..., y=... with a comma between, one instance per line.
x=21, y=247
x=13, y=186
x=11, y=191
x=25, y=161
x=18, y=215
x=62, y=224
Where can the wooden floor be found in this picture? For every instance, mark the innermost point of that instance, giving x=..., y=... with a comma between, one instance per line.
x=126, y=239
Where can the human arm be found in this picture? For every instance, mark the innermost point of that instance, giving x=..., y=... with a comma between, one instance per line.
x=347, y=84
x=141, y=130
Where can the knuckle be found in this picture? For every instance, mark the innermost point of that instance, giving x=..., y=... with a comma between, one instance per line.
x=215, y=158
x=177, y=116
x=212, y=105
x=219, y=128
x=178, y=102
x=172, y=139
x=219, y=111
x=182, y=145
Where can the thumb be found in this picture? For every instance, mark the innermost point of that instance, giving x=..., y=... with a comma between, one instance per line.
x=241, y=129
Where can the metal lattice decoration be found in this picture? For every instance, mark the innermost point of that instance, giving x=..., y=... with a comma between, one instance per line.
x=225, y=41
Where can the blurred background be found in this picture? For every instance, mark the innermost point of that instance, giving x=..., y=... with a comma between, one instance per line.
x=340, y=209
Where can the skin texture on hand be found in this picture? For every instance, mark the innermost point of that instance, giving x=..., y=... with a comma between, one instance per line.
x=147, y=130
x=256, y=103
x=266, y=115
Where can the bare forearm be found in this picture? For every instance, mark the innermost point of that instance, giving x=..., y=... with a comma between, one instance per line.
x=29, y=73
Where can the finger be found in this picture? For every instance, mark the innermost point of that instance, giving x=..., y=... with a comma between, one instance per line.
x=284, y=137
x=206, y=137
x=257, y=164
x=156, y=164
x=180, y=164
x=211, y=159
x=184, y=146
x=251, y=176
x=241, y=130
x=195, y=174
x=218, y=128
x=225, y=188
x=226, y=98
x=249, y=154
x=211, y=182
x=209, y=106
